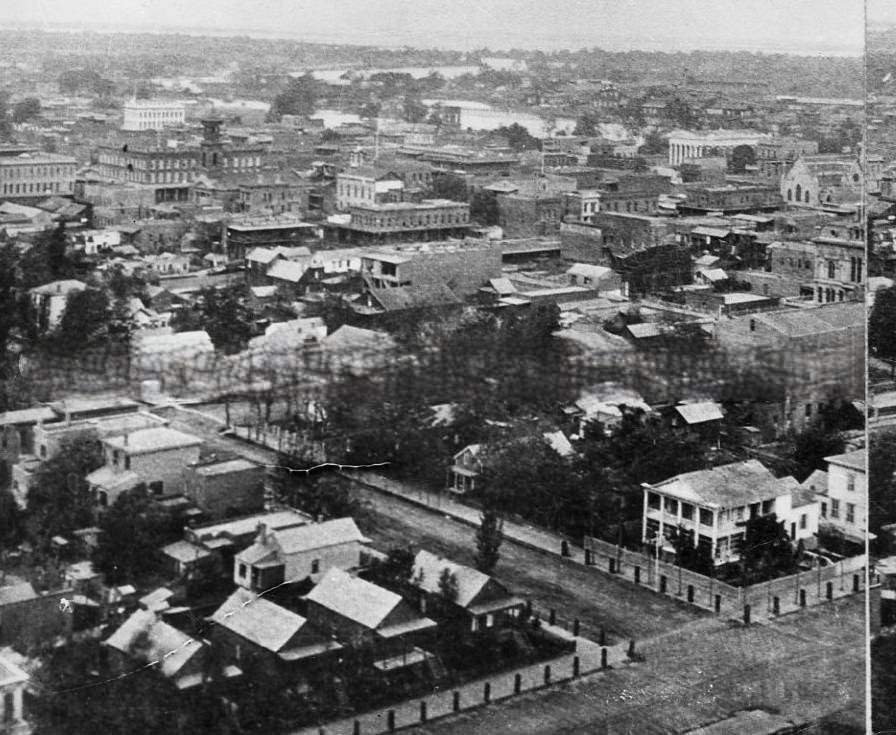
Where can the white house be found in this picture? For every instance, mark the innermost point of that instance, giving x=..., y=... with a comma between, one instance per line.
x=845, y=500
x=715, y=504
x=50, y=300
x=298, y=553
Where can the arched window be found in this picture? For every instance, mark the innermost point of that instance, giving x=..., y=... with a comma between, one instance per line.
x=807, y=197
x=799, y=193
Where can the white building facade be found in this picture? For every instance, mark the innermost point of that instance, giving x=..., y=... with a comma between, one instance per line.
x=152, y=115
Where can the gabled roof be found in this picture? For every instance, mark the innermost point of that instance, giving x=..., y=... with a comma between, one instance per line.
x=588, y=271
x=559, y=443
x=17, y=591
x=428, y=570
x=168, y=647
x=258, y=620
x=319, y=535
x=261, y=255
x=59, y=288
x=287, y=270
x=643, y=330
x=355, y=599
x=713, y=274
x=854, y=460
x=412, y=297
x=27, y=416
x=502, y=286
x=727, y=486
x=348, y=337
x=700, y=412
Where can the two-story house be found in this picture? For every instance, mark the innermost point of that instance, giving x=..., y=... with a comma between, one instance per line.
x=155, y=457
x=715, y=504
x=845, y=499
x=298, y=553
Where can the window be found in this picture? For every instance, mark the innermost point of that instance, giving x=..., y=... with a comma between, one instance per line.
x=851, y=482
x=803, y=521
x=824, y=510
x=474, y=624
x=127, y=462
x=767, y=506
x=739, y=513
x=653, y=501
x=835, y=508
x=752, y=325
x=832, y=269
x=242, y=571
x=687, y=511
x=315, y=566
x=850, y=512
x=670, y=505
x=489, y=620
x=705, y=517
x=156, y=487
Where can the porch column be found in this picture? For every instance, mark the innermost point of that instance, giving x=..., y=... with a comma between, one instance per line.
x=715, y=532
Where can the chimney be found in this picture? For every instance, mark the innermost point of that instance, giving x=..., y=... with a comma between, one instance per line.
x=262, y=531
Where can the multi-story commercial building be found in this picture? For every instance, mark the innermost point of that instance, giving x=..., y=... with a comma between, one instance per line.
x=776, y=155
x=463, y=266
x=430, y=219
x=730, y=198
x=827, y=268
x=364, y=185
x=152, y=114
x=36, y=175
x=715, y=504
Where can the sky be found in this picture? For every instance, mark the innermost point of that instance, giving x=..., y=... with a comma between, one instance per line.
x=820, y=27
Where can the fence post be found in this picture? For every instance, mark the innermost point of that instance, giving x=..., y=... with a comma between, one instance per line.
x=390, y=720
x=575, y=667
x=776, y=605
x=487, y=692
x=517, y=683
x=819, y=581
x=455, y=704
x=631, y=648
x=602, y=637
x=422, y=711
x=603, y=657
x=356, y=729
x=637, y=574
x=547, y=674
x=830, y=591
x=802, y=598
x=746, y=614
x=855, y=582
x=587, y=557
x=690, y=593
x=718, y=604
x=552, y=617
x=575, y=628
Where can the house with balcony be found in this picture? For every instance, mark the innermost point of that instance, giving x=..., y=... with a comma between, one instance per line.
x=299, y=553
x=715, y=505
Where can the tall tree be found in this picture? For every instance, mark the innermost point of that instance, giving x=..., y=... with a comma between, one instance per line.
x=298, y=98
x=882, y=326
x=489, y=537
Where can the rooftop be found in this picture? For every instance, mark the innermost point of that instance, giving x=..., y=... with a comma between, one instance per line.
x=730, y=485
x=145, y=441
x=258, y=620
x=855, y=460
x=353, y=598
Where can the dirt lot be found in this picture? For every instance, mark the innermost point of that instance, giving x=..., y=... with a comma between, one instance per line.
x=805, y=666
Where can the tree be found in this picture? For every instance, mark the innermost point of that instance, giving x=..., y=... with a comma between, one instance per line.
x=449, y=186
x=395, y=571
x=489, y=536
x=766, y=551
x=679, y=113
x=808, y=448
x=413, y=109
x=741, y=157
x=484, y=208
x=654, y=143
x=26, y=109
x=59, y=499
x=322, y=495
x=881, y=482
x=133, y=529
x=696, y=558
x=882, y=327
x=518, y=137
x=223, y=314
x=585, y=125
x=5, y=125
x=86, y=316
x=299, y=98
x=11, y=520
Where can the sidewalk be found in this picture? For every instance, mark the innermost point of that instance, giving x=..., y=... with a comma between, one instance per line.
x=535, y=538
x=472, y=694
